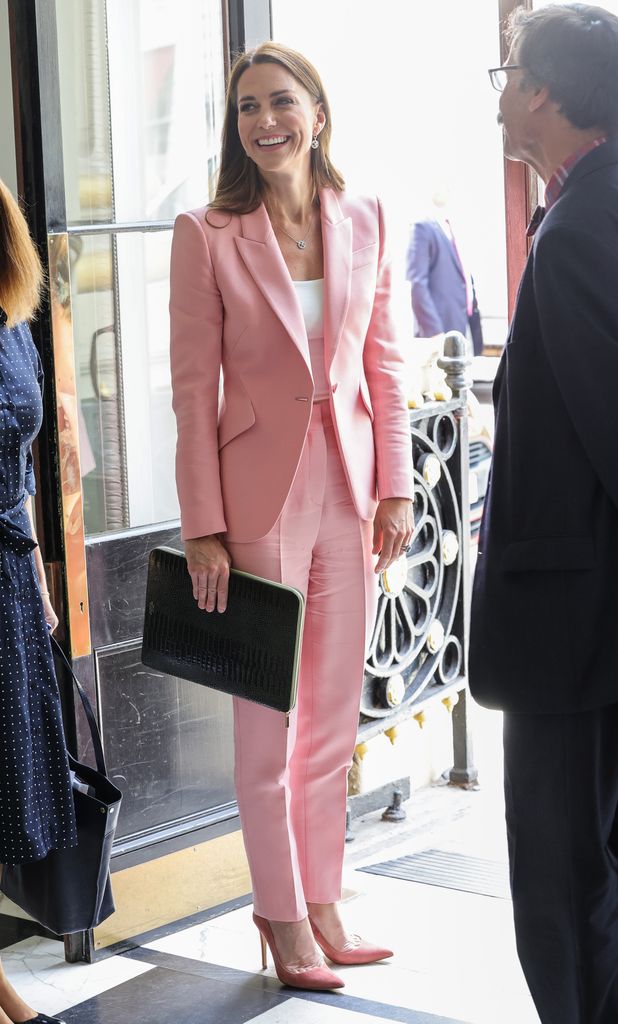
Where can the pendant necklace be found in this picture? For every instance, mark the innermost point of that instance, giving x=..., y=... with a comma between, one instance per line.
x=301, y=243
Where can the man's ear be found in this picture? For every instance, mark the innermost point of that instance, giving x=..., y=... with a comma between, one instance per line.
x=539, y=98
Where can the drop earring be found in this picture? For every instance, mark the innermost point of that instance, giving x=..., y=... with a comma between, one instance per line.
x=314, y=142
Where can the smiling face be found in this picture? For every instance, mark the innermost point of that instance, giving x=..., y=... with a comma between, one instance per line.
x=277, y=119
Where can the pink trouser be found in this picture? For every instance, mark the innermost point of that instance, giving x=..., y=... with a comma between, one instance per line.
x=291, y=783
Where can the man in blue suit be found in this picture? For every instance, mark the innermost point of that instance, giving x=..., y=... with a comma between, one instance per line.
x=544, y=630
x=442, y=290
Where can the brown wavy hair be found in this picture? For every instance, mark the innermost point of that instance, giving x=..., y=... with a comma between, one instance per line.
x=240, y=187
x=21, y=274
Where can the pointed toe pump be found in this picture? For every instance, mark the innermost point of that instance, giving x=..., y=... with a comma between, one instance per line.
x=362, y=953
x=318, y=978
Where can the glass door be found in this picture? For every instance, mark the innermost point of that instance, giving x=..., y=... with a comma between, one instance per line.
x=141, y=100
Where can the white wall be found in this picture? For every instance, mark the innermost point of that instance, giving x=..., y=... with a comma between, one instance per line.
x=411, y=102
x=8, y=171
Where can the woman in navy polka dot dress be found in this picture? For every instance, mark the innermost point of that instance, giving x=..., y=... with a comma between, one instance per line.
x=36, y=804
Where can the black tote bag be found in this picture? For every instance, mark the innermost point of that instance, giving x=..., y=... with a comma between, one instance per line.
x=70, y=890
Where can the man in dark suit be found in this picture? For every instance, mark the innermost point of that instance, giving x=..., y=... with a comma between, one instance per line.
x=544, y=637
x=442, y=290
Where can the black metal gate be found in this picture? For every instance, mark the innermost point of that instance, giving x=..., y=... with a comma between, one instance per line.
x=418, y=651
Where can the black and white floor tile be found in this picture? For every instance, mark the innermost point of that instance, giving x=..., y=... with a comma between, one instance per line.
x=37, y=969
x=454, y=963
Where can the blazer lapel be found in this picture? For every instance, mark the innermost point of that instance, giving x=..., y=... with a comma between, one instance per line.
x=337, y=243
x=262, y=257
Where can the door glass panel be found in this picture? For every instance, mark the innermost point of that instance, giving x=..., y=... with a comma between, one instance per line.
x=166, y=119
x=142, y=92
x=159, y=734
x=120, y=292
x=142, y=95
x=84, y=99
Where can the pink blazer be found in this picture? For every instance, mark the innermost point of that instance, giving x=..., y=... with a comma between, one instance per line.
x=234, y=309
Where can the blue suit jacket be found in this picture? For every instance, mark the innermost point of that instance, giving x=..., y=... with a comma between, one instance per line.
x=438, y=285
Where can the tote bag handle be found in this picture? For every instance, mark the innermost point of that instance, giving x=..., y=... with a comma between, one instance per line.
x=92, y=722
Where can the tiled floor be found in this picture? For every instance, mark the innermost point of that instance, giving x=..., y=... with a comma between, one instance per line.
x=455, y=957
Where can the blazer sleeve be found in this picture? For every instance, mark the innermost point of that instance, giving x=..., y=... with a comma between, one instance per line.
x=575, y=288
x=384, y=370
x=196, y=325
x=417, y=273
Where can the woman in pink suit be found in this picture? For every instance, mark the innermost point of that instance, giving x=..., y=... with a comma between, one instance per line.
x=297, y=469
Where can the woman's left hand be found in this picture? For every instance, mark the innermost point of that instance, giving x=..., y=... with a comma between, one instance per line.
x=393, y=527
x=50, y=616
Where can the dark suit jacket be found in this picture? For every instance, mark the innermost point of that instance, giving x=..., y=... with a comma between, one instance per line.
x=439, y=300
x=544, y=632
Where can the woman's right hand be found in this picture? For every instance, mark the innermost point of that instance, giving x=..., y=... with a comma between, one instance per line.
x=209, y=567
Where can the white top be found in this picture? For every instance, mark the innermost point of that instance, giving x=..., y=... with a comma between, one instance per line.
x=311, y=297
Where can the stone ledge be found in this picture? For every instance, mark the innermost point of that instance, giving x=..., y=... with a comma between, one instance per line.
x=379, y=798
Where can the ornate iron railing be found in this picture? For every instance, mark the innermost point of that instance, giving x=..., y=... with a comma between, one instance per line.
x=418, y=651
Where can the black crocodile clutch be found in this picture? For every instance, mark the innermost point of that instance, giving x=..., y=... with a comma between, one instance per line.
x=251, y=650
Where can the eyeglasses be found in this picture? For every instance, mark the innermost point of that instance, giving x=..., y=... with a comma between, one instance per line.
x=498, y=76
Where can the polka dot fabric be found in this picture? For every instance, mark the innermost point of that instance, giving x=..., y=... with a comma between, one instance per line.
x=36, y=803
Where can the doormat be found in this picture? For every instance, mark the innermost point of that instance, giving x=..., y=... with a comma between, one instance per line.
x=449, y=871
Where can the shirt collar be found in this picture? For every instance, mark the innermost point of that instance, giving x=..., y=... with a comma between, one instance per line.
x=556, y=182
